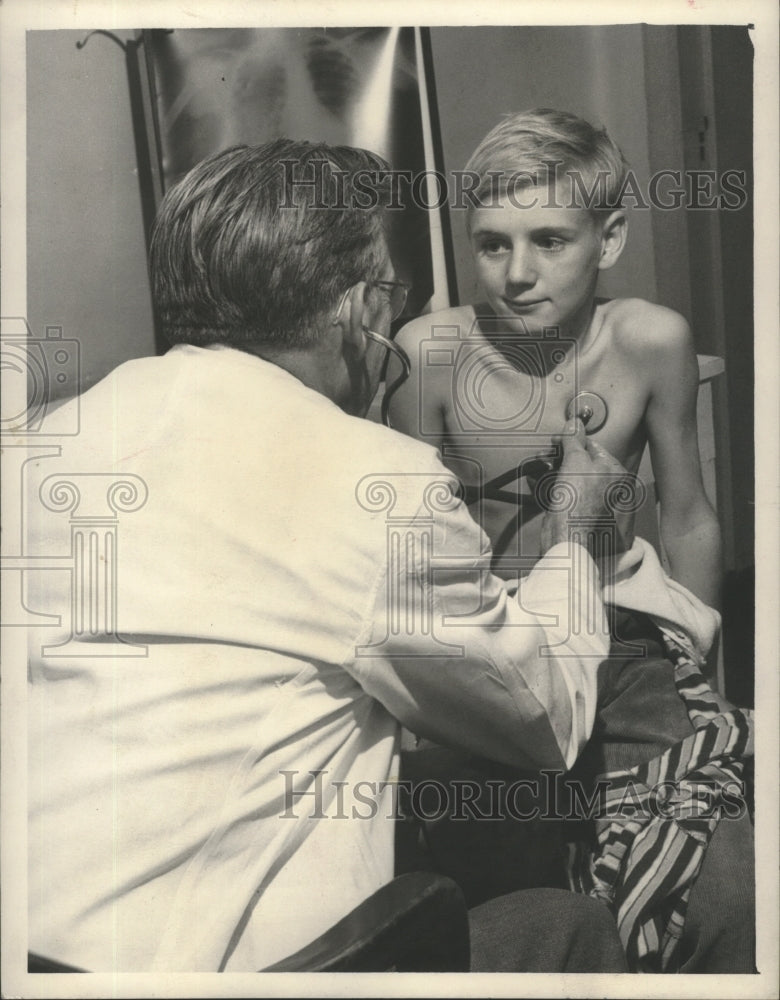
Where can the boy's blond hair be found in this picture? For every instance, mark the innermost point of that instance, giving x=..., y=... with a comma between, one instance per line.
x=542, y=145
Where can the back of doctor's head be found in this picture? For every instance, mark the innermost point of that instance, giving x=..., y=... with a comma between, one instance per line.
x=533, y=147
x=256, y=243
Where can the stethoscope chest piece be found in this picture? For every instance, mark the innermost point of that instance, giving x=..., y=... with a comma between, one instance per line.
x=590, y=408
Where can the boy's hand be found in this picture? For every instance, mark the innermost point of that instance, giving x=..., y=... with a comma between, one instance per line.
x=590, y=495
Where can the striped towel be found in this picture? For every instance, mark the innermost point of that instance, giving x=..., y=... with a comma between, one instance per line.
x=656, y=820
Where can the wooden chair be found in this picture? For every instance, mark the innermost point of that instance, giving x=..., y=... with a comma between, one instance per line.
x=416, y=923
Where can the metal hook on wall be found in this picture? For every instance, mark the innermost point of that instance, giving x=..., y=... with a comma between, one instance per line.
x=102, y=31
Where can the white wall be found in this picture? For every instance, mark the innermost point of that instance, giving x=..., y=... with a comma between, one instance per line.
x=85, y=242
x=595, y=72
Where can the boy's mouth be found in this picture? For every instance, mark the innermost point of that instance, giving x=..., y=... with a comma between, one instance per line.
x=522, y=306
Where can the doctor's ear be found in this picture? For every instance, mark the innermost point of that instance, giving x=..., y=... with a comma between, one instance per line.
x=613, y=239
x=351, y=314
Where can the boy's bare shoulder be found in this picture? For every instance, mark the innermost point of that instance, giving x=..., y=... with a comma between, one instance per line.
x=646, y=329
x=423, y=327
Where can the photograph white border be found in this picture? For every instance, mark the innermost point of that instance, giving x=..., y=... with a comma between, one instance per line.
x=17, y=17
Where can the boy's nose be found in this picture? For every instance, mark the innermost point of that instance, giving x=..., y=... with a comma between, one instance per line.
x=522, y=271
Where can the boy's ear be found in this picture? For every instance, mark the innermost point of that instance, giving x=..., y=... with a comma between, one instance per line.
x=613, y=239
x=351, y=316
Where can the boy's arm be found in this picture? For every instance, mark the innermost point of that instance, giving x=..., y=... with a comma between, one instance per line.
x=689, y=526
x=416, y=407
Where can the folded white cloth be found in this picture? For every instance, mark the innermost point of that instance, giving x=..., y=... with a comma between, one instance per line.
x=637, y=581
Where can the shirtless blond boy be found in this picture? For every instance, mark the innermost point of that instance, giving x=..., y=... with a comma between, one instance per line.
x=492, y=384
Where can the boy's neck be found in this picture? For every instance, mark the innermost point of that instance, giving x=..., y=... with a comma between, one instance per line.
x=580, y=330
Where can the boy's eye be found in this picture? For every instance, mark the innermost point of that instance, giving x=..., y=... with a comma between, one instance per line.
x=493, y=247
x=551, y=243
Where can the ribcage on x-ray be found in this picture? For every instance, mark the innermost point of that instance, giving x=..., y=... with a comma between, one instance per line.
x=332, y=75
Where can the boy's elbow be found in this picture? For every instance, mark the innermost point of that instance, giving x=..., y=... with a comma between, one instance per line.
x=698, y=519
x=694, y=550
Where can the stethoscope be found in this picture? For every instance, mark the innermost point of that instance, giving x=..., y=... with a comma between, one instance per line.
x=406, y=370
x=590, y=407
x=591, y=410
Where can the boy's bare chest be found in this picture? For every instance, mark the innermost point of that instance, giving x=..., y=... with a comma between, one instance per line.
x=501, y=409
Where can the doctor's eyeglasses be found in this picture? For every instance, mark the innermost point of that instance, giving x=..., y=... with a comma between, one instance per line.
x=398, y=292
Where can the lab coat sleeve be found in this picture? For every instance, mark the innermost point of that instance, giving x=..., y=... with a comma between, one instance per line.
x=461, y=659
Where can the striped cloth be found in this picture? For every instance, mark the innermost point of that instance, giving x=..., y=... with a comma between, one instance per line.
x=655, y=821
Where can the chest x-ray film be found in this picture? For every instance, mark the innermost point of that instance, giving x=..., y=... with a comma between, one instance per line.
x=345, y=86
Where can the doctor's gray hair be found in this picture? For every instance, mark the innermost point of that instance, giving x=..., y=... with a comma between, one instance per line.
x=256, y=243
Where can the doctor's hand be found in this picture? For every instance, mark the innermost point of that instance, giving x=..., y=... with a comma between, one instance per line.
x=591, y=498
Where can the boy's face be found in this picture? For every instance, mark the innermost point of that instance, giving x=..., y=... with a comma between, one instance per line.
x=538, y=266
